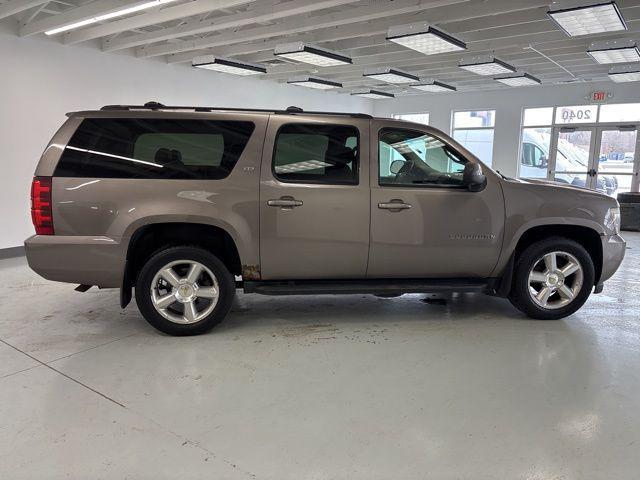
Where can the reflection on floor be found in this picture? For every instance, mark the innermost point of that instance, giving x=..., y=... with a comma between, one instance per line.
x=353, y=387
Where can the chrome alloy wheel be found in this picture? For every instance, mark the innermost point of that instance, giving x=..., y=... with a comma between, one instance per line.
x=184, y=291
x=555, y=280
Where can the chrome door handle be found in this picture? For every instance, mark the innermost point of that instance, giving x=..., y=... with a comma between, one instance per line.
x=394, y=205
x=285, y=202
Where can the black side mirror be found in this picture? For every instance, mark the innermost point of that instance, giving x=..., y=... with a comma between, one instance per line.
x=396, y=166
x=473, y=178
x=543, y=161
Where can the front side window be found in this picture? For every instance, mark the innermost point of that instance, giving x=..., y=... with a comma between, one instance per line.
x=154, y=148
x=310, y=153
x=411, y=158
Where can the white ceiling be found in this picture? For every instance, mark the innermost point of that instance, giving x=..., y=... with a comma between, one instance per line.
x=249, y=30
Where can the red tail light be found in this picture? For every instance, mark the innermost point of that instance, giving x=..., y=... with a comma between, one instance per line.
x=41, y=205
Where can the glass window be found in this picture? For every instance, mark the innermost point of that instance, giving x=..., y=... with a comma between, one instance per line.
x=537, y=116
x=621, y=112
x=474, y=130
x=477, y=141
x=535, y=152
x=576, y=114
x=474, y=119
x=309, y=153
x=412, y=158
x=413, y=117
x=154, y=148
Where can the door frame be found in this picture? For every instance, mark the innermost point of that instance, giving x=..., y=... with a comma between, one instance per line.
x=594, y=150
x=590, y=168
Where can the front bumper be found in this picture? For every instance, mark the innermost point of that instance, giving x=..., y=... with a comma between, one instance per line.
x=88, y=260
x=613, y=250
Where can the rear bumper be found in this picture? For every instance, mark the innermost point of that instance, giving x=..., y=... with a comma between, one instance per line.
x=613, y=250
x=89, y=260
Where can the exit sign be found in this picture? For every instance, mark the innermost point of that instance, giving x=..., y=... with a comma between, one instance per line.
x=600, y=96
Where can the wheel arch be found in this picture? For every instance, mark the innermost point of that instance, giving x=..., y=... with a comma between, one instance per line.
x=149, y=238
x=585, y=235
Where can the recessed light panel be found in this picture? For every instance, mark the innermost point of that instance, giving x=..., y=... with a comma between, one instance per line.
x=390, y=75
x=301, y=52
x=589, y=19
x=487, y=65
x=434, y=87
x=314, y=82
x=617, y=51
x=625, y=73
x=424, y=39
x=518, y=80
x=375, y=94
x=227, y=65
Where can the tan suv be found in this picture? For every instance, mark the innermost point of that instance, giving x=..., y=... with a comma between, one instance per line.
x=177, y=201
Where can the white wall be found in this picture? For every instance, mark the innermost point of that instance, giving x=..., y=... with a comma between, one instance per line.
x=41, y=80
x=508, y=104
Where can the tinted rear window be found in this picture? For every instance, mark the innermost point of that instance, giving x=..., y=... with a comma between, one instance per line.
x=154, y=148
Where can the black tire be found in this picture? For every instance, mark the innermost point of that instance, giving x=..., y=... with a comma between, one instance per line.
x=226, y=289
x=520, y=297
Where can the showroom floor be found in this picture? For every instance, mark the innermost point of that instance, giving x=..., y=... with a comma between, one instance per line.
x=319, y=388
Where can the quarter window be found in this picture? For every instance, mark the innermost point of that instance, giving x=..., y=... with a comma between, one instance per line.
x=309, y=153
x=411, y=158
x=154, y=148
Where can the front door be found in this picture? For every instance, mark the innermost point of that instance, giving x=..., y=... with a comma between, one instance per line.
x=424, y=222
x=314, y=199
x=617, y=159
x=571, y=160
x=601, y=158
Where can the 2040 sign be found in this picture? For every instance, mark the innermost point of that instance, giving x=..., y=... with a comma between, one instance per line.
x=570, y=116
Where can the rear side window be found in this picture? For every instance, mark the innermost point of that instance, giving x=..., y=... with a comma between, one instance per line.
x=308, y=153
x=154, y=148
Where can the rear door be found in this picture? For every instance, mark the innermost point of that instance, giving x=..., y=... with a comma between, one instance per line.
x=314, y=198
x=424, y=223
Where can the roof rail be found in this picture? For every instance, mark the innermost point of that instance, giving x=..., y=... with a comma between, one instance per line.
x=292, y=110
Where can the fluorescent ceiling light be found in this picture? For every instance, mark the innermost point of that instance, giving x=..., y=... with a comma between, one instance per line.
x=618, y=51
x=375, y=94
x=625, y=73
x=301, y=52
x=589, y=19
x=424, y=39
x=518, y=80
x=108, y=16
x=486, y=65
x=434, y=86
x=390, y=75
x=314, y=82
x=227, y=65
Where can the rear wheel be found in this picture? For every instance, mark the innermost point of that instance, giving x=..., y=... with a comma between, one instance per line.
x=184, y=290
x=552, y=279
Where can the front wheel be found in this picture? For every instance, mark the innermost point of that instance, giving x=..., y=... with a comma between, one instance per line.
x=184, y=290
x=552, y=279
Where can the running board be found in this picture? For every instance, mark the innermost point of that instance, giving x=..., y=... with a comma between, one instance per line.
x=373, y=286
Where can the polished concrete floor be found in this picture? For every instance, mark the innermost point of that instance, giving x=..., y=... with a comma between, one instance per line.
x=344, y=387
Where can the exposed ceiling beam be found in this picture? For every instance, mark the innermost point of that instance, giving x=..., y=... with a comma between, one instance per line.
x=168, y=13
x=83, y=12
x=16, y=6
x=394, y=56
x=363, y=31
x=375, y=35
x=265, y=12
x=299, y=25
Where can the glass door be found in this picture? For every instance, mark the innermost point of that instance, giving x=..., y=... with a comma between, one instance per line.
x=571, y=160
x=616, y=162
